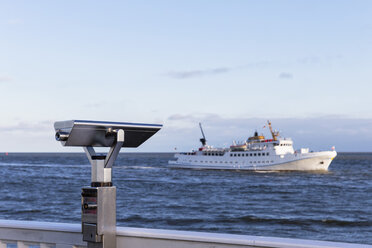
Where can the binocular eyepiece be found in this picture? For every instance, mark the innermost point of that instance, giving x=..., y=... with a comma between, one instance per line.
x=61, y=136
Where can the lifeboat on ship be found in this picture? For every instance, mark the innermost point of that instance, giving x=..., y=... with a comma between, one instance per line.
x=238, y=147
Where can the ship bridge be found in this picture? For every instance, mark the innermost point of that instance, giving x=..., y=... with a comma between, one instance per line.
x=284, y=146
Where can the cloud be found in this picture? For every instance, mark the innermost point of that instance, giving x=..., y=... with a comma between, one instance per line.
x=309, y=60
x=285, y=75
x=95, y=105
x=219, y=70
x=5, y=79
x=198, y=73
x=192, y=117
x=28, y=127
x=15, y=21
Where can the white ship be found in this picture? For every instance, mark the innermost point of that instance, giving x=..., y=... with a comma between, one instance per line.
x=257, y=153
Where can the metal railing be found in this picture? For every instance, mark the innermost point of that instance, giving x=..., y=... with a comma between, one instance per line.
x=32, y=234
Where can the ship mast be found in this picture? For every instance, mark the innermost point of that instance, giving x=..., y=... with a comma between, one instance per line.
x=202, y=140
x=275, y=134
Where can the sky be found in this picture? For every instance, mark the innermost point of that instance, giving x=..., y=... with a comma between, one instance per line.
x=231, y=65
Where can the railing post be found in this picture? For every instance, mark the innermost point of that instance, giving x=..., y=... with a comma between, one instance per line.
x=2, y=244
x=21, y=244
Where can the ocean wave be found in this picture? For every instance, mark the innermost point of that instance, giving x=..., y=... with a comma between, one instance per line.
x=293, y=221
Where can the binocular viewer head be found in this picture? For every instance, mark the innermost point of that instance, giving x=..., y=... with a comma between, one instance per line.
x=101, y=133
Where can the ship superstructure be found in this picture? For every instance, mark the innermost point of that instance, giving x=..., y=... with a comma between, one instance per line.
x=256, y=153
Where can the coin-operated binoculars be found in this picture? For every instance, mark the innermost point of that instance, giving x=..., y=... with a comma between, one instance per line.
x=99, y=200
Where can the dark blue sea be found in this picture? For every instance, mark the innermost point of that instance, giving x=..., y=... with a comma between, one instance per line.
x=334, y=205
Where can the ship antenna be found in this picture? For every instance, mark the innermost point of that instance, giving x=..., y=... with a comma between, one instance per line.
x=202, y=140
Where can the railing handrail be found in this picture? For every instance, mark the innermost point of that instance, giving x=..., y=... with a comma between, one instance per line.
x=73, y=233
x=38, y=225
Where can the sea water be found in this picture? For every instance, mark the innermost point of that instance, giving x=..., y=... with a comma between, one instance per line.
x=334, y=205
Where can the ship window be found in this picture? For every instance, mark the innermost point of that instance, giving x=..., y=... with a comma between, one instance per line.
x=251, y=154
x=239, y=155
x=267, y=154
x=230, y=155
x=259, y=154
x=255, y=154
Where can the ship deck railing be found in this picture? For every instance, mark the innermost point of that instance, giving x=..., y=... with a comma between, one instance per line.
x=32, y=234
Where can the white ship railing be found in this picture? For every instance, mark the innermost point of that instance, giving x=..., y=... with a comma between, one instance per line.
x=32, y=234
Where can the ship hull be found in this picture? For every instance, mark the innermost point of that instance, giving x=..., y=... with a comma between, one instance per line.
x=315, y=161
